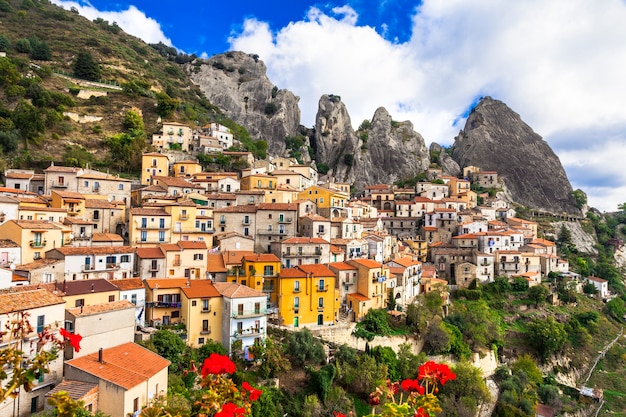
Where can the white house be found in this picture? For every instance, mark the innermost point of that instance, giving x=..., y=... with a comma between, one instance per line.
x=601, y=285
x=244, y=316
x=108, y=262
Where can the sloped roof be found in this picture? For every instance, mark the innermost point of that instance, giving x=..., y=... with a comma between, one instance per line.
x=90, y=310
x=234, y=290
x=126, y=365
x=27, y=300
x=199, y=288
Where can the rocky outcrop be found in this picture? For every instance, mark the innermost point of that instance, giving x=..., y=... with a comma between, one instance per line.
x=382, y=152
x=496, y=139
x=237, y=84
x=445, y=161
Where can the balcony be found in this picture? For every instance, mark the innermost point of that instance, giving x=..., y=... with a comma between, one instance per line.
x=268, y=288
x=285, y=220
x=379, y=279
x=152, y=227
x=206, y=310
x=82, y=236
x=184, y=216
x=176, y=263
x=35, y=244
x=57, y=184
x=303, y=253
x=205, y=331
x=321, y=289
x=149, y=241
x=162, y=304
x=249, y=313
x=113, y=266
x=245, y=222
x=88, y=267
x=96, y=189
x=248, y=332
x=154, y=268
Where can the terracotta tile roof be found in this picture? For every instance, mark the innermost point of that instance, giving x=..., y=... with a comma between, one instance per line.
x=170, y=247
x=292, y=273
x=234, y=290
x=150, y=253
x=314, y=217
x=406, y=262
x=174, y=182
x=303, y=240
x=342, y=266
x=191, y=244
x=358, y=296
x=91, y=310
x=39, y=263
x=215, y=262
x=235, y=256
x=278, y=206
x=19, y=175
x=106, y=237
x=8, y=243
x=149, y=212
x=153, y=283
x=317, y=270
x=76, y=220
x=95, y=203
x=76, y=389
x=126, y=366
x=200, y=288
x=36, y=224
x=367, y=263
x=69, y=194
x=25, y=300
x=249, y=208
x=262, y=257
x=93, y=250
x=596, y=279
x=126, y=284
x=55, y=168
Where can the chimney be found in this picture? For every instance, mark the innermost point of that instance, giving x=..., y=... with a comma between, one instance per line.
x=100, y=355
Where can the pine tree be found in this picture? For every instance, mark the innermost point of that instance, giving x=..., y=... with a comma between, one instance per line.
x=86, y=67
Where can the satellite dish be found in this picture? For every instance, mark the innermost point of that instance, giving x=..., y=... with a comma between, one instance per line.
x=12, y=266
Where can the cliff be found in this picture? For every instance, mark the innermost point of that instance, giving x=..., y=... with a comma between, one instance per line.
x=495, y=138
x=381, y=152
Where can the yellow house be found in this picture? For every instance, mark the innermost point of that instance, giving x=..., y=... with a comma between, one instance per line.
x=307, y=296
x=71, y=201
x=186, y=168
x=87, y=292
x=185, y=259
x=259, y=182
x=330, y=202
x=35, y=236
x=371, y=288
x=189, y=222
x=257, y=271
x=153, y=164
x=149, y=226
x=528, y=227
x=163, y=300
x=201, y=308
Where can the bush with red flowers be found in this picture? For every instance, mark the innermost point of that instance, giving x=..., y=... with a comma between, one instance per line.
x=220, y=395
x=412, y=397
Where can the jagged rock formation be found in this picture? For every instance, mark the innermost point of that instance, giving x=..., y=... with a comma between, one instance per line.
x=445, y=161
x=383, y=152
x=495, y=138
x=237, y=83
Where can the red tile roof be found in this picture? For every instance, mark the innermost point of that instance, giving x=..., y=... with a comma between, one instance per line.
x=126, y=366
x=26, y=300
x=198, y=288
x=234, y=290
x=150, y=253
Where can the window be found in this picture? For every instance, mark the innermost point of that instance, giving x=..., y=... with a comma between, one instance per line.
x=125, y=258
x=246, y=231
x=320, y=302
x=268, y=270
x=133, y=298
x=144, y=236
x=201, y=340
x=321, y=285
x=205, y=305
x=86, y=183
x=111, y=298
x=80, y=302
x=161, y=236
x=240, y=309
x=41, y=321
x=296, y=302
x=161, y=223
x=257, y=308
x=198, y=256
x=120, y=186
x=193, y=303
x=296, y=286
x=205, y=326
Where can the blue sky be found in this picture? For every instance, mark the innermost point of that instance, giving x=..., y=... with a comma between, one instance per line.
x=559, y=63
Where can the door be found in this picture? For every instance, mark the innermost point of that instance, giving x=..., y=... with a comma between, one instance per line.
x=295, y=321
x=320, y=319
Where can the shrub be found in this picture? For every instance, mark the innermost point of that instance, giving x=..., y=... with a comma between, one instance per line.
x=23, y=46
x=270, y=108
x=5, y=43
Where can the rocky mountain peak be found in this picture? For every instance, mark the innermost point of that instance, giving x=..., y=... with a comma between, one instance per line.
x=496, y=139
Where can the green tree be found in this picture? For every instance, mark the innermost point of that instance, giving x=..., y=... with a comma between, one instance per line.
x=86, y=67
x=41, y=50
x=386, y=356
x=465, y=393
x=166, y=105
x=271, y=354
x=305, y=349
x=547, y=335
x=322, y=380
x=437, y=338
x=9, y=73
x=616, y=308
x=408, y=362
x=376, y=321
x=170, y=346
x=580, y=198
x=5, y=43
x=133, y=122
x=481, y=326
x=528, y=365
x=23, y=46
x=29, y=121
x=538, y=294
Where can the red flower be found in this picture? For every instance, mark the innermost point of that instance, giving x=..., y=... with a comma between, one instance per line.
x=374, y=399
x=412, y=385
x=420, y=412
x=73, y=338
x=217, y=364
x=338, y=414
x=254, y=393
x=231, y=410
x=392, y=387
x=435, y=373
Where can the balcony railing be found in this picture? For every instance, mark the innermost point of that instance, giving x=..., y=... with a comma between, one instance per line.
x=285, y=220
x=248, y=332
x=82, y=236
x=322, y=289
x=205, y=331
x=249, y=313
x=38, y=243
x=184, y=217
x=59, y=184
x=303, y=253
x=206, y=310
x=162, y=304
x=153, y=268
x=268, y=288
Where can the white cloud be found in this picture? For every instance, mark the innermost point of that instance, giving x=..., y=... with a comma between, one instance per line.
x=559, y=64
x=132, y=20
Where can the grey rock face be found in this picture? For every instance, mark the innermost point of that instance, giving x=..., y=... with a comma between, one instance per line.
x=237, y=83
x=495, y=138
x=445, y=161
x=383, y=153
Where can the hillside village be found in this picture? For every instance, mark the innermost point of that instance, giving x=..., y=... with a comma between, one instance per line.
x=224, y=255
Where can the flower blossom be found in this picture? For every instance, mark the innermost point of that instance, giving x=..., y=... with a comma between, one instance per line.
x=73, y=338
x=218, y=364
x=231, y=410
x=254, y=393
